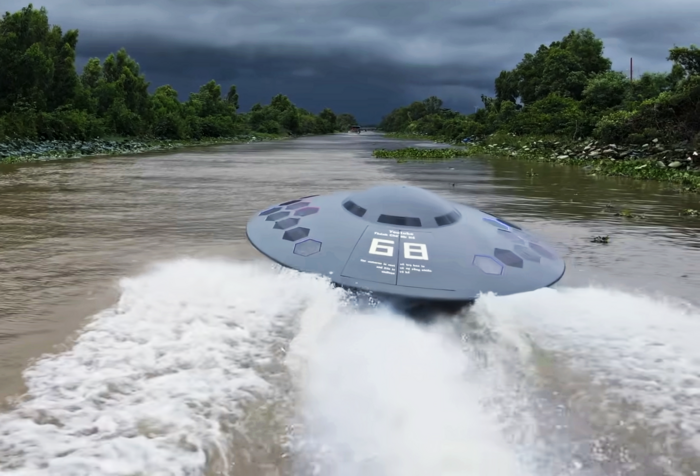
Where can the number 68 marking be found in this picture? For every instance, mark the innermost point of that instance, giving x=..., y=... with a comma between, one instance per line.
x=410, y=250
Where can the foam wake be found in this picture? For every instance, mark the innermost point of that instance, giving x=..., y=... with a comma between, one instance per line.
x=386, y=396
x=627, y=364
x=154, y=385
x=193, y=368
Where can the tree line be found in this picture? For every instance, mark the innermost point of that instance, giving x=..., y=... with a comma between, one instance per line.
x=42, y=96
x=568, y=89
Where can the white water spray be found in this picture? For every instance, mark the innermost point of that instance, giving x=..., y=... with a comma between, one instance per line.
x=148, y=384
x=388, y=397
x=155, y=384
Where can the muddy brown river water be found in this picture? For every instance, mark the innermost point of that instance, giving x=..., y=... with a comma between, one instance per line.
x=140, y=334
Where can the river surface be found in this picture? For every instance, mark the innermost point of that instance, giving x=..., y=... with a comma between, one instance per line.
x=141, y=334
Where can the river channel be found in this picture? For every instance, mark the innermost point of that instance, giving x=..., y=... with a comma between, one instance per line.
x=140, y=333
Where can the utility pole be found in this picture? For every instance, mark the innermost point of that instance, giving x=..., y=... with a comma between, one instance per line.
x=631, y=75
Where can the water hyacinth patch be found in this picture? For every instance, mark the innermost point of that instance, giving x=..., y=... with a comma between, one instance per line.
x=26, y=150
x=644, y=166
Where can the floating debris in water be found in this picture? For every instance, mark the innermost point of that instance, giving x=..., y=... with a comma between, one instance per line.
x=620, y=212
x=601, y=239
x=627, y=213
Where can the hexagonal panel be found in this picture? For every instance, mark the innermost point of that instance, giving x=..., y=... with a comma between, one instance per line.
x=269, y=211
x=511, y=236
x=286, y=223
x=289, y=202
x=508, y=258
x=296, y=206
x=304, y=212
x=541, y=251
x=277, y=216
x=296, y=234
x=487, y=264
x=307, y=248
x=526, y=253
x=496, y=223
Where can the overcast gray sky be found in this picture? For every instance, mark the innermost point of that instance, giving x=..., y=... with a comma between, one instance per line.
x=361, y=56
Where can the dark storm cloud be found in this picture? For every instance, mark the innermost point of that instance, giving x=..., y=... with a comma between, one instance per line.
x=362, y=56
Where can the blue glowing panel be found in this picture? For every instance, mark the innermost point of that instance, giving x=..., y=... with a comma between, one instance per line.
x=296, y=206
x=307, y=248
x=304, y=212
x=496, y=223
x=508, y=258
x=505, y=222
x=487, y=264
x=277, y=216
x=271, y=210
x=286, y=223
x=295, y=234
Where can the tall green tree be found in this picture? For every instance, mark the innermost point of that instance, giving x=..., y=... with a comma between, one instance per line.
x=567, y=88
x=232, y=97
x=37, y=61
x=42, y=95
x=345, y=121
x=687, y=57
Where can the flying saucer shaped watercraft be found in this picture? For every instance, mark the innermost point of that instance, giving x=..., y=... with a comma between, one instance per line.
x=404, y=241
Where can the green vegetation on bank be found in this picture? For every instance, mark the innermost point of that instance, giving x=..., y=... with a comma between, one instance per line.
x=18, y=151
x=564, y=103
x=48, y=109
x=542, y=150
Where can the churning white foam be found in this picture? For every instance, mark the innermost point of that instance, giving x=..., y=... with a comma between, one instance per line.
x=386, y=396
x=636, y=349
x=148, y=384
x=154, y=385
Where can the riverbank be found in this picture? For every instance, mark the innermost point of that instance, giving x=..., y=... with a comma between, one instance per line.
x=676, y=164
x=23, y=150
